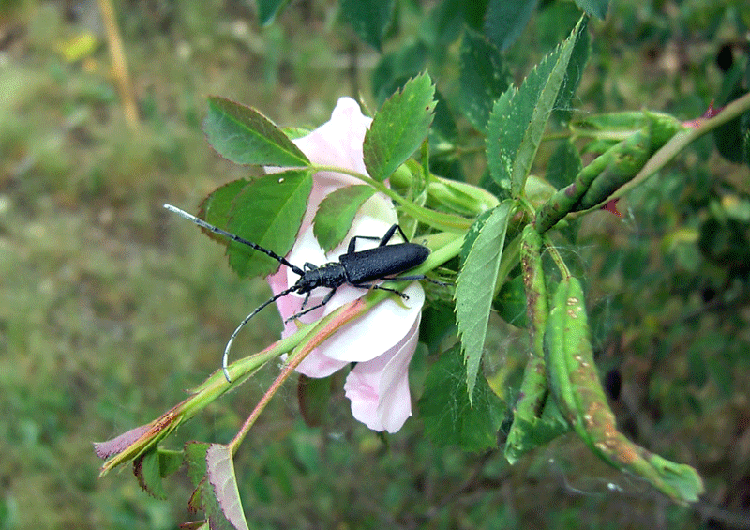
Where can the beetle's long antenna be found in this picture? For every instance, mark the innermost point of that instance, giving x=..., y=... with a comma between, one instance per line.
x=225, y=358
x=234, y=237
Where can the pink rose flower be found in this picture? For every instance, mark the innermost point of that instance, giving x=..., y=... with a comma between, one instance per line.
x=383, y=341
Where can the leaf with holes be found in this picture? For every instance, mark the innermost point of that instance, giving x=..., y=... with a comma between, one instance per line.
x=519, y=118
x=399, y=128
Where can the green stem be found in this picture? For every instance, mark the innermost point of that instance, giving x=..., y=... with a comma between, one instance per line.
x=439, y=220
x=684, y=138
x=323, y=329
x=508, y=260
x=556, y=257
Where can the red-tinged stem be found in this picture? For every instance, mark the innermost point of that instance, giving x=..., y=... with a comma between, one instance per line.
x=325, y=328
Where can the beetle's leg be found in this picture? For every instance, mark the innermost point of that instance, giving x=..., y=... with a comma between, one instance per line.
x=375, y=286
x=352, y=244
x=417, y=277
x=304, y=302
x=384, y=239
x=389, y=234
x=323, y=302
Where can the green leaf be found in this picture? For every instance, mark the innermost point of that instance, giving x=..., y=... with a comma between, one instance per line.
x=510, y=303
x=222, y=505
x=268, y=212
x=441, y=317
x=472, y=234
x=506, y=20
x=244, y=136
x=216, y=208
x=576, y=65
x=146, y=470
x=731, y=139
x=530, y=433
x=475, y=285
x=483, y=78
x=518, y=119
x=369, y=18
x=501, y=126
x=597, y=8
x=442, y=24
x=195, y=458
x=553, y=22
x=563, y=165
x=170, y=461
x=399, y=128
x=334, y=217
x=453, y=415
x=444, y=129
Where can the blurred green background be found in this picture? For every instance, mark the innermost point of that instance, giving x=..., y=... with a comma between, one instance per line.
x=110, y=308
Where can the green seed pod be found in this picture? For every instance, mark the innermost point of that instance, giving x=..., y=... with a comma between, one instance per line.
x=528, y=430
x=609, y=171
x=581, y=398
x=623, y=162
x=556, y=339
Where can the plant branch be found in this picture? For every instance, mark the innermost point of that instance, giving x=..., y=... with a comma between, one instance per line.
x=442, y=221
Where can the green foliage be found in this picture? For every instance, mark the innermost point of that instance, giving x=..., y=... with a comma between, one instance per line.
x=269, y=9
x=455, y=415
x=369, y=18
x=81, y=328
x=267, y=211
x=152, y=466
x=519, y=118
x=483, y=78
x=506, y=20
x=597, y=8
x=334, y=217
x=475, y=287
x=399, y=128
x=221, y=499
x=563, y=165
x=245, y=136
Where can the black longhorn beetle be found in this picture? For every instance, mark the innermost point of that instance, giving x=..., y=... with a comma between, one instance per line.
x=356, y=268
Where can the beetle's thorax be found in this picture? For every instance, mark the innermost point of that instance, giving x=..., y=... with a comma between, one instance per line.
x=329, y=275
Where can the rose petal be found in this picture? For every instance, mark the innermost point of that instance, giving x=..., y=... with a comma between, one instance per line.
x=379, y=330
x=379, y=389
x=339, y=141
